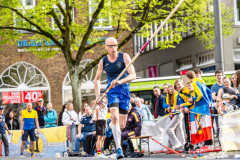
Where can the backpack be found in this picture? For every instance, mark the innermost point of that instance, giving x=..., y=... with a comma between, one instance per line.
x=128, y=149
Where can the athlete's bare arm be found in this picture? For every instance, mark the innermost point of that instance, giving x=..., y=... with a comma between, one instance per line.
x=97, y=79
x=131, y=72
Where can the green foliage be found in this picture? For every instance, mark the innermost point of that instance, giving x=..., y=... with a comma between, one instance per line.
x=68, y=20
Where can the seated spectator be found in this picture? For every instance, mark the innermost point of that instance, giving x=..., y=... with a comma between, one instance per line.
x=230, y=90
x=222, y=107
x=50, y=116
x=70, y=118
x=12, y=122
x=86, y=127
x=60, y=115
x=226, y=101
x=132, y=99
x=143, y=110
x=133, y=126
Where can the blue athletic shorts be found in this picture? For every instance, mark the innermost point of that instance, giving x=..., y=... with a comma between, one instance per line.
x=119, y=98
x=29, y=132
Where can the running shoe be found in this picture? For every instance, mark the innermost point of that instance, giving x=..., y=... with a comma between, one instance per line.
x=119, y=153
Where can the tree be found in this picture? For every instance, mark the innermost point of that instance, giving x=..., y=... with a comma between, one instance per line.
x=79, y=34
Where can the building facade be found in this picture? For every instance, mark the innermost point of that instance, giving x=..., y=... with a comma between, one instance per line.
x=24, y=77
x=189, y=54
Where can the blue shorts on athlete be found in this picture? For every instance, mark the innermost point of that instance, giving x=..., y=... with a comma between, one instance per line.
x=120, y=98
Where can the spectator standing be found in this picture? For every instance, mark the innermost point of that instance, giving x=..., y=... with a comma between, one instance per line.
x=50, y=116
x=40, y=111
x=86, y=127
x=70, y=118
x=12, y=122
x=100, y=123
x=183, y=96
x=29, y=118
x=60, y=115
x=198, y=73
x=174, y=129
x=158, y=103
x=3, y=128
x=238, y=80
x=234, y=81
x=142, y=109
x=214, y=89
x=202, y=103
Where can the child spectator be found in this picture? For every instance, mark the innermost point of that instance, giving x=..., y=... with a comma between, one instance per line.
x=100, y=123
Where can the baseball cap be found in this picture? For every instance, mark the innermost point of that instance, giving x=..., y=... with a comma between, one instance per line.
x=225, y=102
x=1, y=108
x=225, y=96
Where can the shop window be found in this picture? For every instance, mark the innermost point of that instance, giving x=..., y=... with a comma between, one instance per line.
x=104, y=20
x=21, y=83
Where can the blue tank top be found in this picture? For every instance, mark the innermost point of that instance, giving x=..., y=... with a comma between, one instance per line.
x=114, y=69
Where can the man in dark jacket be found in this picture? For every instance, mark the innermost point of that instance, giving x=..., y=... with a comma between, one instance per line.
x=158, y=103
x=40, y=112
x=133, y=126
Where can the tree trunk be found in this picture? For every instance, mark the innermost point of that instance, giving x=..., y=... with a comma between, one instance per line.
x=76, y=88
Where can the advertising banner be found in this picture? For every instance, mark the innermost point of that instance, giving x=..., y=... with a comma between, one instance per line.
x=12, y=97
x=48, y=142
x=152, y=71
x=21, y=97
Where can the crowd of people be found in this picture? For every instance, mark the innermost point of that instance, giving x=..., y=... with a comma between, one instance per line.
x=121, y=115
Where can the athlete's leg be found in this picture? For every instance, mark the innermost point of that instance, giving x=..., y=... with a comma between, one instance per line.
x=122, y=121
x=115, y=126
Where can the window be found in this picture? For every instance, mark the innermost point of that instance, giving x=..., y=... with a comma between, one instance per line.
x=236, y=56
x=20, y=78
x=184, y=64
x=205, y=59
x=20, y=22
x=59, y=14
x=104, y=20
x=237, y=12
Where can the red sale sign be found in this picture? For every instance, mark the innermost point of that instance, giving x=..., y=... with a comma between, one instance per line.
x=32, y=96
x=11, y=97
x=21, y=97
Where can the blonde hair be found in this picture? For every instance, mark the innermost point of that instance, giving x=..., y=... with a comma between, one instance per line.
x=68, y=104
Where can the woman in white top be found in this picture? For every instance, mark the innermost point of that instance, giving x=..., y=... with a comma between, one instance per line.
x=70, y=118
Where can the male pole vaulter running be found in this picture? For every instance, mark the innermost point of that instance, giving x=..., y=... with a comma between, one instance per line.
x=119, y=96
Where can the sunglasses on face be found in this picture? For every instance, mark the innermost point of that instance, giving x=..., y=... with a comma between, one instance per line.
x=39, y=101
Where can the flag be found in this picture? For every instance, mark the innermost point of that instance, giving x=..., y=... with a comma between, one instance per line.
x=201, y=124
